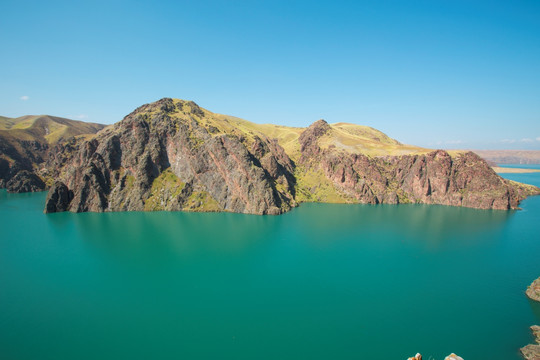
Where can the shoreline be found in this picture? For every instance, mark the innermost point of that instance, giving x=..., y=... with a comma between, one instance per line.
x=507, y=170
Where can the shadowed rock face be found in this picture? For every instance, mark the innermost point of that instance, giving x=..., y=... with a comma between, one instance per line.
x=173, y=155
x=25, y=181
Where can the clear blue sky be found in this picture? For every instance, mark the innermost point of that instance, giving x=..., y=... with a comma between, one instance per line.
x=448, y=74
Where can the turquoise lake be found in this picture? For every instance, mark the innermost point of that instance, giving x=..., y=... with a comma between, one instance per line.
x=323, y=281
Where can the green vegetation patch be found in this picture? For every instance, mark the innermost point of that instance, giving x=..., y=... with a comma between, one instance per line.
x=165, y=188
x=314, y=186
x=201, y=201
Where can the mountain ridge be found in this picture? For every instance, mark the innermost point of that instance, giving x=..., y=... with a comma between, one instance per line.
x=174, y=155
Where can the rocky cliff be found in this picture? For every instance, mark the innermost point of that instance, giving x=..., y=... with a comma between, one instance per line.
x=174, y=155
x=168, y=155
x=431, y=178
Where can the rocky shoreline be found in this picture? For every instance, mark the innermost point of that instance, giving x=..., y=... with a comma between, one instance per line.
x=533, y=291
x=532, y=351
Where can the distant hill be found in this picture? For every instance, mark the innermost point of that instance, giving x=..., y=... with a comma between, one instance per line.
x=26, y=140
x=510, y=156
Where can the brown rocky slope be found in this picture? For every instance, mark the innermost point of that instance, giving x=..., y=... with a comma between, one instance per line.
x=174, y=155
x=25, y=145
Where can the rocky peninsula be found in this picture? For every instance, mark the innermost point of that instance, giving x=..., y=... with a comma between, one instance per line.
x=533, y=291
x=174, y=155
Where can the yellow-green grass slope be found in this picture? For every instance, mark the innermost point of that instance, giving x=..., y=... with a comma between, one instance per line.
x=350, y=137
x=17, y=133
x=50, y=129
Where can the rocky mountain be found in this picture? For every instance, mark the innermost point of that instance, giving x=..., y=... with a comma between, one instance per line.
x=25, y=143
x=174, y=155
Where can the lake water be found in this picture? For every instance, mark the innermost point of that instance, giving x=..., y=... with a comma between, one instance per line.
x=323, y=281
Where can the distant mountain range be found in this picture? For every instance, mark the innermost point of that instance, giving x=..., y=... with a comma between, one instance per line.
x=510, y=156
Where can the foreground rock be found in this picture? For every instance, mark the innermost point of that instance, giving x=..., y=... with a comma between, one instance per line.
x=533, y=291
x=453, y=357
x=532, y=351
x=449, y=357
x=174, y=155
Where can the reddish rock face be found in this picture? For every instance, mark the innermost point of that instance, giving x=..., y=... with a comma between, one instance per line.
x=433, y=178
x=116, y=170
x=126, y=167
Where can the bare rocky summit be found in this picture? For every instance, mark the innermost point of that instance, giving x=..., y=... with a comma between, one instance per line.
x=174, y=155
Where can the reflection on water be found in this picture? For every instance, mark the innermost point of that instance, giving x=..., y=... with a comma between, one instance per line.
x=184, y=233
x=535, y=307
x=322, y=281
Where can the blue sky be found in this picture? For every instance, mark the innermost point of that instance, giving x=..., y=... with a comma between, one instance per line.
x=445, y=74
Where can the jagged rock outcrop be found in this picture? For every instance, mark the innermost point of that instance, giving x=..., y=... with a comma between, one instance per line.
x=59, y=198
x=174, y=155
x=25, y=181
x=533, y=291
x=532, y=351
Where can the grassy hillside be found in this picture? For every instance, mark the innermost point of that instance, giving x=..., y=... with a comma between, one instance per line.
x=50, y=129
x=350, y=137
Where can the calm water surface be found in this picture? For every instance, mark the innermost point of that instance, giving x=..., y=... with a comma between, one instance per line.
x=321, y=282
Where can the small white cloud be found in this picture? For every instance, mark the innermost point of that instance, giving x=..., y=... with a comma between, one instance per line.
x=453, y=142
x=508, y=141
x=526, y=140
x=24, y=97
x=82, y=116
x=538, y=138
